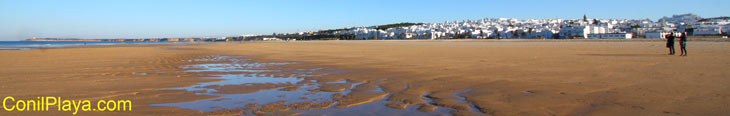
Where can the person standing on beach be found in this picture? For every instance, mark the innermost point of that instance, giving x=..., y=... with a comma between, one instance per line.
x=683, y=44
x=670, y=43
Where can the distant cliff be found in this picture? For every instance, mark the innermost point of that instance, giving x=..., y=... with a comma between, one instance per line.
x=60, y=39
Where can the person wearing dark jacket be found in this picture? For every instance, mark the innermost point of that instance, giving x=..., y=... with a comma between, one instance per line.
x=683, y=44
x=670, y=43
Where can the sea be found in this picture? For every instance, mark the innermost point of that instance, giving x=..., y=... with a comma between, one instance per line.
x=25, y=45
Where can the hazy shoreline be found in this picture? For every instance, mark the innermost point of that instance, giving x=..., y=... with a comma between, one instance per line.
x=82, y=44
x=123, y=44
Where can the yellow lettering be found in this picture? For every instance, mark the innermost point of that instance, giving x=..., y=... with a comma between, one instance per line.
x=87, y=105
x=112, y=103
x=4, y=101
x=67, y=105
x=48, y=103
x=98, y=106
x=44, y=103
x=125, y=105
x=76, y=106
x=17, y=104
x=31, y=102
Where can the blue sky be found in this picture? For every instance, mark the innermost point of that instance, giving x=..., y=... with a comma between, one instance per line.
x=22, y=19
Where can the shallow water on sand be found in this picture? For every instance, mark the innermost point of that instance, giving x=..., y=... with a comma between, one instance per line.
x=293, y=91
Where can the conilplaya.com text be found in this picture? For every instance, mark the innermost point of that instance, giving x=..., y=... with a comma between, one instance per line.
x=49, y=103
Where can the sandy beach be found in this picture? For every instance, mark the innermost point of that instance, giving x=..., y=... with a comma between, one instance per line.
x=469, y=77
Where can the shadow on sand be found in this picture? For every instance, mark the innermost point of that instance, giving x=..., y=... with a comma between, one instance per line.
x=622, y=54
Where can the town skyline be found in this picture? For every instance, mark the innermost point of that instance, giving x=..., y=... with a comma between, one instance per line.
x=139, y=19
x=488, y=28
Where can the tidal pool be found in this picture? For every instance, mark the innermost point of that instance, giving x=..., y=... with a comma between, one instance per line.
x=259, y=88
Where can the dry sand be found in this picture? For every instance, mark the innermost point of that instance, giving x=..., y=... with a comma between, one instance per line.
x=497, y=77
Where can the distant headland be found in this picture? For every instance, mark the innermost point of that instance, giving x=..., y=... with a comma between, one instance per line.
x=128, y=40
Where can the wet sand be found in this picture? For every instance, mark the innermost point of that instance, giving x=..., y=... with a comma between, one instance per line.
x=519, y=77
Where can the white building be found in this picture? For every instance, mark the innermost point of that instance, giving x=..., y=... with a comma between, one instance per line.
x=543, y=34
x=656, y=34
x=610, y=36
x=543, y=28
x=707, y=30
x=271, y=39
x=642, y=31
x=598, y=29
x=574, y=31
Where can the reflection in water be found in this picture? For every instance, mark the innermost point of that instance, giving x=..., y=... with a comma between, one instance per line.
x=260, y=88
x=463, y=99
x=238, y=79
